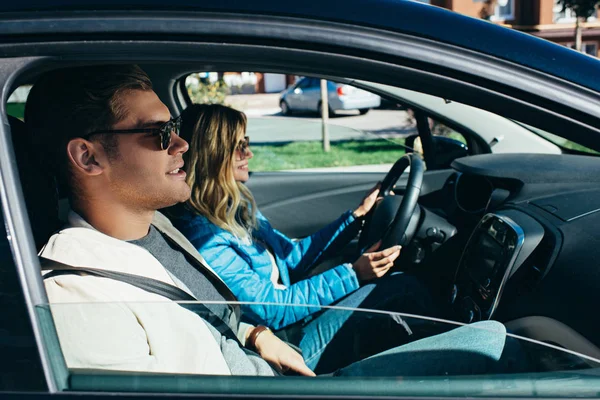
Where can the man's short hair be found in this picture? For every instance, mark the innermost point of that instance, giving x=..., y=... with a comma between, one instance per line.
x=71, y=102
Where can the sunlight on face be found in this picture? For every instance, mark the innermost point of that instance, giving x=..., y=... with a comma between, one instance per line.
x=241, y=156
x=147, y=177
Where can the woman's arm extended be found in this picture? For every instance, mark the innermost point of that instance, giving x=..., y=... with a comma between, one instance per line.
x=302, y=254
x=249, y=286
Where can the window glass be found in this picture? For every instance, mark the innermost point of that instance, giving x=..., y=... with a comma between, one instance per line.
x=281, y=144
x=367, y=133
x=364, y=134
x=172, y=348
x=560, y=15
x=15, y=105
x=438, y=128
x=314, y=82
x=559, y=140
x=504, y=9
x=304, y=83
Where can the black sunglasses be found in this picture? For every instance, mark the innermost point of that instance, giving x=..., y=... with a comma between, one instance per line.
x=164, y=132
x=243, y=145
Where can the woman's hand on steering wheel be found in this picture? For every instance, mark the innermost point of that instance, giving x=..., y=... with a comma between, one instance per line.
x=375, y=264
x=368, y=201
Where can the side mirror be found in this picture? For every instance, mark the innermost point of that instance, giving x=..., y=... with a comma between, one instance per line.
x=448, y=150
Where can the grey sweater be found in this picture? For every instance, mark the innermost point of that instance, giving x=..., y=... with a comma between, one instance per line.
x=239, y=360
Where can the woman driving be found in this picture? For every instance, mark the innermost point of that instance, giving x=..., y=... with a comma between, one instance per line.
x=262, y=265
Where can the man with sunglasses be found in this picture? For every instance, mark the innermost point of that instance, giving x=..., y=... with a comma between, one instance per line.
x=113, y=145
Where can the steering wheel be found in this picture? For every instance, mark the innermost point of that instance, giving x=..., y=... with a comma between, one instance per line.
x=390, y=217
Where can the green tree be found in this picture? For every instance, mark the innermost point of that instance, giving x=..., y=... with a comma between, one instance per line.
x=583, y=9
x=202, y=91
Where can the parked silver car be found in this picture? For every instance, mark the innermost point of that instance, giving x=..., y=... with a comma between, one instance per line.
x=305, y=96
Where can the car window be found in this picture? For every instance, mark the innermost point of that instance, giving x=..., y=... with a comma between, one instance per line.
x=305, y=83
x=559, y=140
x=287, y=144
x=315, y=83
x=362, y=136
x=440, y=129
x=437, y=129
x=367, y=133
x=15, y=105
x=125, y=347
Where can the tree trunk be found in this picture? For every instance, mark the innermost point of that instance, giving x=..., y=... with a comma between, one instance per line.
x=578, y=45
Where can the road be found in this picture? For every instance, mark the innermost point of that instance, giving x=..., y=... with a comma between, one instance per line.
x=349, y=125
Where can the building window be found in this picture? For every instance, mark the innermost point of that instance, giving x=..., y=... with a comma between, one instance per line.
x=505, y=10
x=560, y=16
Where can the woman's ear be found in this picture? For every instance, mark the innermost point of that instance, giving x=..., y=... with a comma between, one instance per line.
x=86, y=157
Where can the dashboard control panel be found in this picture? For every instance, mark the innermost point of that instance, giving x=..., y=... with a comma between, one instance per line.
x=485, y=266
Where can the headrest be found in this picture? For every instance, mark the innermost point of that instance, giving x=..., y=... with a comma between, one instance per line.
x=39, y=188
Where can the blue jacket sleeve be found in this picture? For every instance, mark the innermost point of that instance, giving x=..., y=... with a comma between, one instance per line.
x=236, y=270
x=300, y=255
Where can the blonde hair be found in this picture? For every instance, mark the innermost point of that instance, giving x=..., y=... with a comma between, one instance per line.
x=213, y=132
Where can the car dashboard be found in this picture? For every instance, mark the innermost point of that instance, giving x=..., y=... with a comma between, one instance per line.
x=533, y=226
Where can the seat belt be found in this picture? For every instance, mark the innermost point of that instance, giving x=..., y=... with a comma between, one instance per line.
x=148, y=284
x=155, y=286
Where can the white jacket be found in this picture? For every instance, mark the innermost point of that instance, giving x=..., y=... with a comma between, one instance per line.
x=109, y=324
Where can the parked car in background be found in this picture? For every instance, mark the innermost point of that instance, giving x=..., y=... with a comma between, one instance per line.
x=305, y=96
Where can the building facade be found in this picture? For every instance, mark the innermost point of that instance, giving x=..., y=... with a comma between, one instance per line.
x=543, y=18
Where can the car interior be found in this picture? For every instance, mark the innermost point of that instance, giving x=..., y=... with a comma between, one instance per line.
x=506, y=236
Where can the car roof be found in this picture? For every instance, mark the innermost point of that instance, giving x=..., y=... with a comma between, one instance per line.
x=402, y=16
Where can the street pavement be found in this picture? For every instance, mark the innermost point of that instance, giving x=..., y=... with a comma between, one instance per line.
x=267, y=125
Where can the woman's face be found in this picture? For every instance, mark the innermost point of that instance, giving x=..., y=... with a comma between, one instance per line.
x=241, y=156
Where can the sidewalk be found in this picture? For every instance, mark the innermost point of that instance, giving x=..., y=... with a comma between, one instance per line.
x=255, y=104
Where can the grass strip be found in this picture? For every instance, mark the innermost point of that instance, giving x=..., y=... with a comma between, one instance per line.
x=310, y=154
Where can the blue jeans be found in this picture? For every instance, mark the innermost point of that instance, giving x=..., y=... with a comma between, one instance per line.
x=336, y=338
x=478, y=348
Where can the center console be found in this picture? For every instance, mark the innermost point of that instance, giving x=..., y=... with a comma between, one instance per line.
x=496, y=249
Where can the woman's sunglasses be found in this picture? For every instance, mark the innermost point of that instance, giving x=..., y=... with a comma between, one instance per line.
x=243, y=145
x=164, y=131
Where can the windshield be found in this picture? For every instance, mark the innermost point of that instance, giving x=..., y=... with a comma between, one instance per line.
x=174, y=347
x=562, y=142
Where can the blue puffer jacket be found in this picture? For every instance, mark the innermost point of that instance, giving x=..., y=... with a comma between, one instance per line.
x=247, y=268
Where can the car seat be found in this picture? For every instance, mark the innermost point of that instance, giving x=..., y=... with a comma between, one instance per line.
x=39, y=187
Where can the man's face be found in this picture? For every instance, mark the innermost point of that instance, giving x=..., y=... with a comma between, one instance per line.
x=143, y=176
